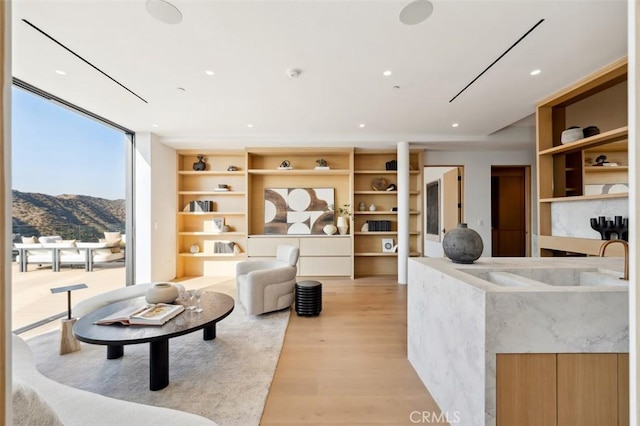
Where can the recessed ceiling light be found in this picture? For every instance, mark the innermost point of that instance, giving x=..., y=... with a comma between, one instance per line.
x=416, y=12
x=455, y=125
x=249, y=125
x=386, y=73
x=362, y=125
x=209, y=72
x=535, y=72
x=163, y=11
x=60, y=72
x=155, y=125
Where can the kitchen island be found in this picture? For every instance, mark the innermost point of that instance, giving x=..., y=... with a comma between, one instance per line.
x=460, y=318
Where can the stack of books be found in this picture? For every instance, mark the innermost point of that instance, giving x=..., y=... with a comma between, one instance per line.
x=379, y=225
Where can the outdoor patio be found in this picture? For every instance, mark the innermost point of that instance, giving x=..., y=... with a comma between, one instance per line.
x=33, y=301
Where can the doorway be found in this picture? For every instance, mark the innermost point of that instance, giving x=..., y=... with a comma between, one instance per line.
x=444, y=189
x=510, y=211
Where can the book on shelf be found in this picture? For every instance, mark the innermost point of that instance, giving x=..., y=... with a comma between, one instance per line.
x=155, y=314
x=199, y=206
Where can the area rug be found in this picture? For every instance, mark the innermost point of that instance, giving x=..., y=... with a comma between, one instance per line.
x=226, y=380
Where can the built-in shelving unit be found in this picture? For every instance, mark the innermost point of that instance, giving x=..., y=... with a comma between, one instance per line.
x=567, y=172
x=369, y=257
x=357, y=253
x=197, y=228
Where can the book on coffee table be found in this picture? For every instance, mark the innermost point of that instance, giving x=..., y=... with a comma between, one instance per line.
x=156, y=314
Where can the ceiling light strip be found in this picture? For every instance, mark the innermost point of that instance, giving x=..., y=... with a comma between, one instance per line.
x=84, y=60
x=500, y=57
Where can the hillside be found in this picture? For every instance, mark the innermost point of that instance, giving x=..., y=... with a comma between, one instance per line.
x=77, y=217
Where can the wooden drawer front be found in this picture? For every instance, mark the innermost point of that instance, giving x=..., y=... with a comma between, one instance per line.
x=327, y=246
x=268, y=246
x=325, y=266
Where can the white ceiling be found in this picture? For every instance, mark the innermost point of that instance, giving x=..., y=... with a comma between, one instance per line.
x=342, y=48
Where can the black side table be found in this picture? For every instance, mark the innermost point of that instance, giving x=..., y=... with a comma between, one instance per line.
x=308, y=298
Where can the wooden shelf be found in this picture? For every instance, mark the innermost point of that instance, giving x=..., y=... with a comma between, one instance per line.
x=383, y=193
x=223, y=193
x=584, y=197
x=229, y=255
x=212, y=234
x=210, y=173
x=605, y=169
x=381, y=254
x=302, y=172
x=379, y=212
x=382, y=233
x=211, y=213
x=590, y=142
x=382, y=172
x=589, y=246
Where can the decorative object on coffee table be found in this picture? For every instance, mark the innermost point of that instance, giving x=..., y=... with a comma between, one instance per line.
x=68, y=343
x=162, y=293
x=200, y=165
x=462, y=244
x=308, y=298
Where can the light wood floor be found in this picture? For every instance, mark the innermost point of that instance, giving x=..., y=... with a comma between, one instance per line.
x=349, y=365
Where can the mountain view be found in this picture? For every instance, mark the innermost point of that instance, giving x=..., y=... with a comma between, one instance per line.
x=78, y=217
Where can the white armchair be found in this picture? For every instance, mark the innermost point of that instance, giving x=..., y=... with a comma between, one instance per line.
x=268, y=285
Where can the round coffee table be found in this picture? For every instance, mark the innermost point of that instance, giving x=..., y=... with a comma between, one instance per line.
x=216, y=307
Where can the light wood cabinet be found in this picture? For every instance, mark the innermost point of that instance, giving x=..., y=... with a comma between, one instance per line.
x=319, y=255
x=565, y=171
x=576, y=389
x=370, y=166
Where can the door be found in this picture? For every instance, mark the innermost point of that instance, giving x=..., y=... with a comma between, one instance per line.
x=509, y=211
x=451, y=199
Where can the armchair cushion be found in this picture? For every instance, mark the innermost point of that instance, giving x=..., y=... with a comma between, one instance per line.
x=268, y=285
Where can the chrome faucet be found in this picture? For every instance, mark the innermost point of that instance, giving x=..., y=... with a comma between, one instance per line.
x=626, y=255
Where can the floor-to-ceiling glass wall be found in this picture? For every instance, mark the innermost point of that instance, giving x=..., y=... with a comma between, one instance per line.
x=69, y=210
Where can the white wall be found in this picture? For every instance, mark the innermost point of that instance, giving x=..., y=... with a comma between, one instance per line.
x=155, y=209
x=433, y=248
x=477, y=184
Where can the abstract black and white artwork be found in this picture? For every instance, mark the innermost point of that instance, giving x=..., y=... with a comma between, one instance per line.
x=297, y=211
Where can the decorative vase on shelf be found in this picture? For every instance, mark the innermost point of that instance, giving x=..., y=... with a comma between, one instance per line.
x=194, y=248
x=200, y=165
x=462, y=244
x=330, y=229
x=161, y=293
x=343, y=225
x=362, y=206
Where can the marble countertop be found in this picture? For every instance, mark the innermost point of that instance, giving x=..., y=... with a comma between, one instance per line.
x=541, y=269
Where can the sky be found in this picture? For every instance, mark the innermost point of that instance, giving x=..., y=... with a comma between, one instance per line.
x=57, y=151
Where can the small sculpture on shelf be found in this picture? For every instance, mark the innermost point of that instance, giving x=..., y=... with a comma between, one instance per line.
x=200, y=165
x=285, y=165
x=232, y=168
x=322, y=164
x=618, y=226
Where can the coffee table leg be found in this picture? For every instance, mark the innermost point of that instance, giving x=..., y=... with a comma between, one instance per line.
x=209, y=333
x=115, y=352
x=159, y=364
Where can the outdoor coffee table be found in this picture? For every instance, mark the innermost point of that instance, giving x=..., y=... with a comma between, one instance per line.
x=216, y=307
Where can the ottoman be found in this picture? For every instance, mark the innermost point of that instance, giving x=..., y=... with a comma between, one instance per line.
x=308, y=297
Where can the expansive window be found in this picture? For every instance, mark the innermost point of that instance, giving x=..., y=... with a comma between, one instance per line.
x=69, y=212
